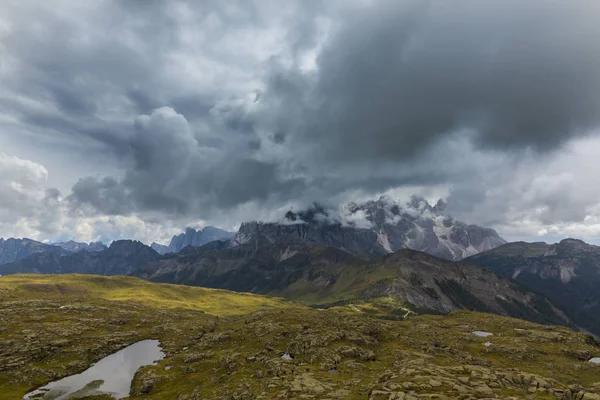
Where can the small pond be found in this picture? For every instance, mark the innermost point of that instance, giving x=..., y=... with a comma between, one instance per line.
x=112, y=375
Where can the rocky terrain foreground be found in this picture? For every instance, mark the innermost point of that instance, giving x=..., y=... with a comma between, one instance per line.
x=224, y=345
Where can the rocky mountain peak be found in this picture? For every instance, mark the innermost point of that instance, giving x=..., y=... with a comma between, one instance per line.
x=192, y=237
x=380, y=226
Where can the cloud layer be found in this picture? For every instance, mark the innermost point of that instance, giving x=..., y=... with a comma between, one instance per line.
x=192, y=112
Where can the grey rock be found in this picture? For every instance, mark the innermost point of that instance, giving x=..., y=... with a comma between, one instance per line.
x=386, y=227
x=192, y=237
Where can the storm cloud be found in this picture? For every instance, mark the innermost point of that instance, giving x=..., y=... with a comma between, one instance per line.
x=223, y=111
x=397, y=77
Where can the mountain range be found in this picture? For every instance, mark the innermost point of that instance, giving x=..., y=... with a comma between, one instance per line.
x=327, y=276
x=122, y=257
x=568, y=273
x=370, y=229
x=404, y=282
x=380, y=227
x=12, y=249
x=403, y=256
x=192, y=237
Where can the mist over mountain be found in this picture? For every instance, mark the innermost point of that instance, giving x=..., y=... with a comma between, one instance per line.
x=319, y=257
x=379, y=227
x=301, y=129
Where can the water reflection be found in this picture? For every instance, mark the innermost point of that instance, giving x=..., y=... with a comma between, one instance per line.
x=112, y=375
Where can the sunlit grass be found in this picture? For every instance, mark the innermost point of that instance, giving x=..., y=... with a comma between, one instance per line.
x=122, y=288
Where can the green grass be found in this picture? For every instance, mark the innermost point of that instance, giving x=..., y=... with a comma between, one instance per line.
x=225, y=345
x=121, y=288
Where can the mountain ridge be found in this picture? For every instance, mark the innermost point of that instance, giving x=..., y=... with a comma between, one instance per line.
x=192, y=237
x=567, y=272
x=122, y=257
x=321, y=276
x=16, y=249
x=324, y=276
x=379, y=227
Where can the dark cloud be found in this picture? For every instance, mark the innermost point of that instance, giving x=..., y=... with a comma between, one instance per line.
x=395, y=85
x=106, y=195
x=399, y=76
x=263, y=103
x=171, y=172
x=83, y=71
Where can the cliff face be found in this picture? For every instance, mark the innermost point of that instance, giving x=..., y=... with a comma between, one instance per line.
x=361, y=242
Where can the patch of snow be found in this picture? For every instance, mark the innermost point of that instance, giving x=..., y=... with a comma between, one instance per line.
x=595, y=360
x=382, y=239
x=487, y=344
x=286, y=357
x=168, y=367
x=482, y=333
x=61, y=307
x=516, y=273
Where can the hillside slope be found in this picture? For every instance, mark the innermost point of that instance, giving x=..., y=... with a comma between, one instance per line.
x=130, y=289
x=567, y=272
x=326, y=276
x=289, y=352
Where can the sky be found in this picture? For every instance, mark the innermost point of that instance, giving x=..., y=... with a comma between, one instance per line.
x=137, y=118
